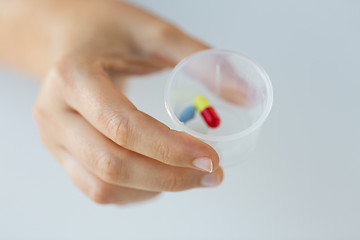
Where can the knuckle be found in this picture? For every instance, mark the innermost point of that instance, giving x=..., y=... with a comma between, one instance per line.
x=110, y=169
x=117, y=127
x=61, y=73
x=38, y=111
x=42, y=114
x=164, y=150
x=164, y=30
x=43, y=139
x=43, y=119
x=101, y=194
x=174, y=183
x=43, y=109
x=58, y=72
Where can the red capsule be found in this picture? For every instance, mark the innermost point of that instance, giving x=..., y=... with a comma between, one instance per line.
x=210, y=117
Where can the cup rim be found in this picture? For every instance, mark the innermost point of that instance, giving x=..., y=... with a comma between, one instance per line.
x=230, y=137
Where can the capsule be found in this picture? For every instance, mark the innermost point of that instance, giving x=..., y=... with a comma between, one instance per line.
x=187, y=114
x=207, y=111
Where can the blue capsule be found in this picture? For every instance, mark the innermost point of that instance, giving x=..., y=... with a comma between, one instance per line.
x=187, y=114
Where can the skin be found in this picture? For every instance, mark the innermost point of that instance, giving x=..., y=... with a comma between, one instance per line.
x=82, y=50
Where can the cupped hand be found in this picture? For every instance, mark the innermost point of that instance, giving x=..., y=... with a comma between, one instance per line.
x=112, y=151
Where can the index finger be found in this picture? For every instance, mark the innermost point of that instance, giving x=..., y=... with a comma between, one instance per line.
x=93, y=95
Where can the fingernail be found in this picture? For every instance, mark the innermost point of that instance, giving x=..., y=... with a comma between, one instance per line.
x=211, y=180
x=204, y=164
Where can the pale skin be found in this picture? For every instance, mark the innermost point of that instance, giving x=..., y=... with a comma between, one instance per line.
x=82, y=50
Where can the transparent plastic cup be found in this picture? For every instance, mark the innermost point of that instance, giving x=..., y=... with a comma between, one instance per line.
x=238, y=89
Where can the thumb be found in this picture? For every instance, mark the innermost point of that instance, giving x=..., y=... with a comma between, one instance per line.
x=157, y=37
x=174, y=45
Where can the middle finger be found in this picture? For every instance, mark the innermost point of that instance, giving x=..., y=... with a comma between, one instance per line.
x=120, y=166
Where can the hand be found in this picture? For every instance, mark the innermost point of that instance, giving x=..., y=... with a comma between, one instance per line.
x=112, y=151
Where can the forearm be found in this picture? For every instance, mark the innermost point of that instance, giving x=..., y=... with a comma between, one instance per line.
x=32, y=32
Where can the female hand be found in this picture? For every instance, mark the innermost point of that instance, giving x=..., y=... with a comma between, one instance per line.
x=112, y=151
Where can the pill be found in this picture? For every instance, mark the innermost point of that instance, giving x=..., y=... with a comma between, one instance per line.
x=187, y=114
x=207, y=111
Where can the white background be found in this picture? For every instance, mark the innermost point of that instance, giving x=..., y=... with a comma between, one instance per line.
x=303, y=181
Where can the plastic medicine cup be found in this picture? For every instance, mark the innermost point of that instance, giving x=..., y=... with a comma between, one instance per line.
x=237, y=88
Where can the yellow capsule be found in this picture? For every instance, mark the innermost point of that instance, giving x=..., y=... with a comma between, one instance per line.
x=200, y=103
